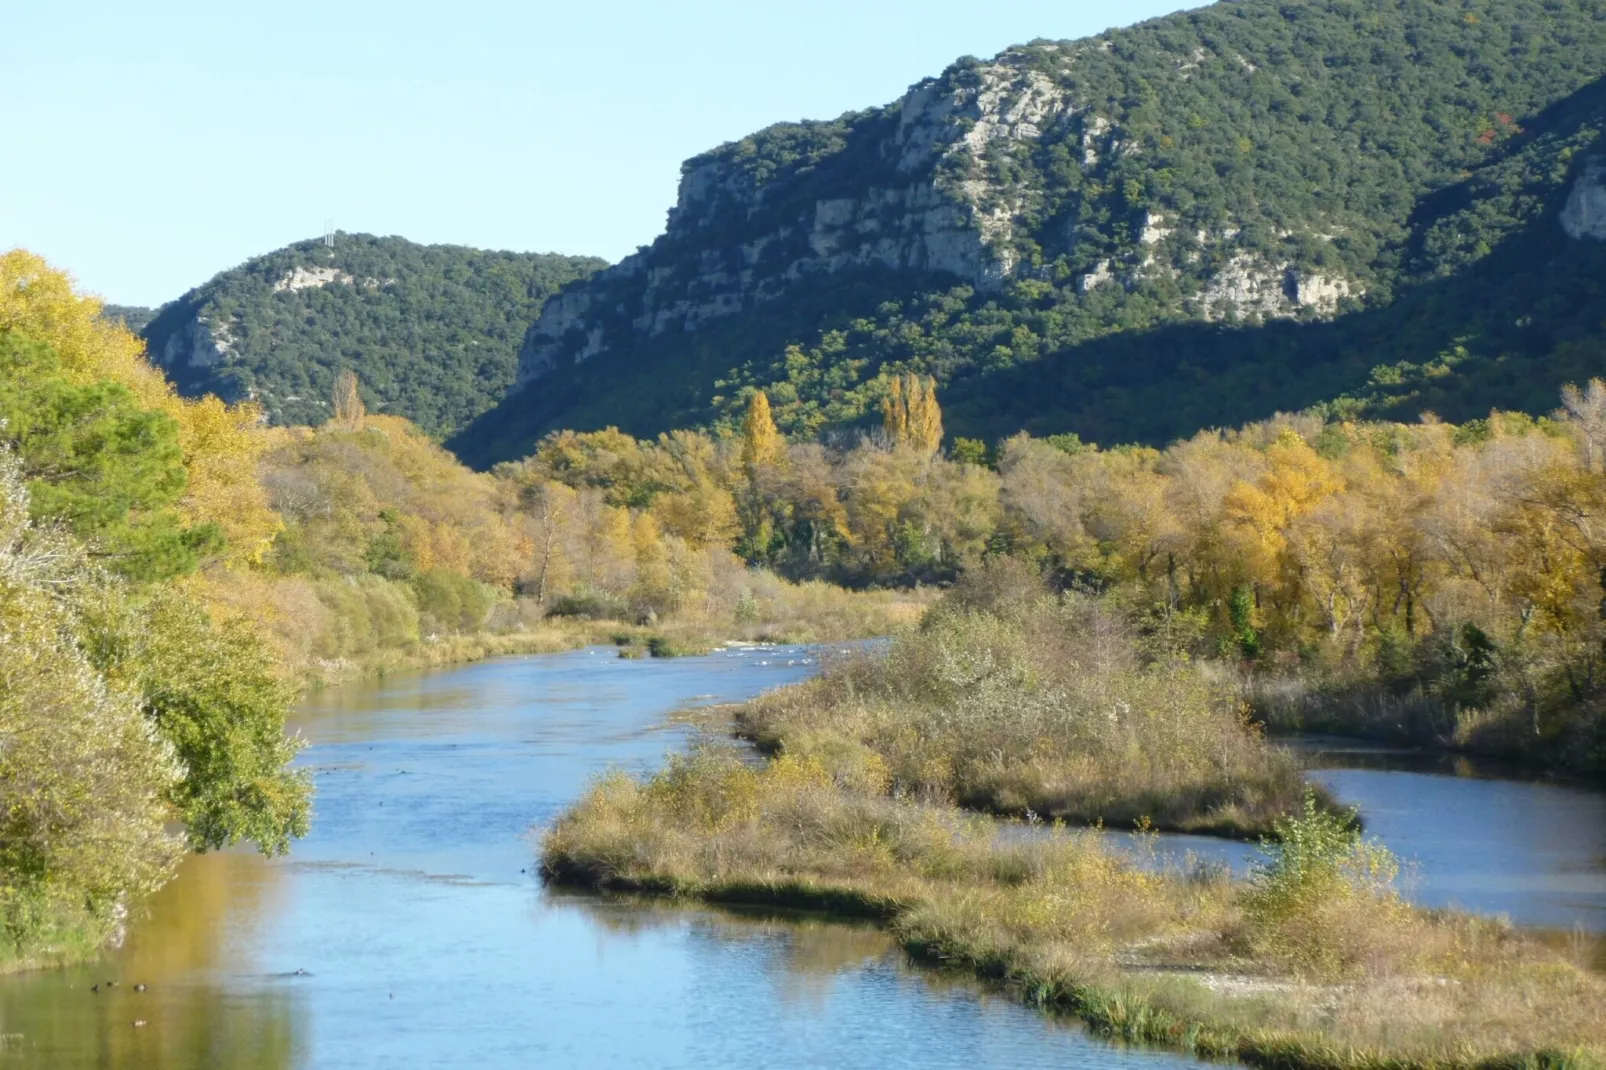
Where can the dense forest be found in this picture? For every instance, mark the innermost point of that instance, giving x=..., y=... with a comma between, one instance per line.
x=433, y=330
x=1213, y=217
x=133, y=317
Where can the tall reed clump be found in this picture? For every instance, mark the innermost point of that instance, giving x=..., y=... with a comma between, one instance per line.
x=1316, y=962
x=1011, y=699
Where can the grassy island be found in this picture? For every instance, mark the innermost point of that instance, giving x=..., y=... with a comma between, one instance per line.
x=1075, y=709
x=1314, y=962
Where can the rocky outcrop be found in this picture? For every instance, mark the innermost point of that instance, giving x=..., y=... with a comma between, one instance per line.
x=929, y=185
x=197, y=345
x=934, y=206
x=1585, y=213
x=300, y=278
x=1248, y=288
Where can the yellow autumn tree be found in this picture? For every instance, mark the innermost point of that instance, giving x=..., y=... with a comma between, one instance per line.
x=761, y=440
x=1296, y=479
x=222, y=444
x=910, y=415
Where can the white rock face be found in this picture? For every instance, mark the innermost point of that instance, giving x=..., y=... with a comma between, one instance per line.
x=1319, y=292
x=1101, y=275
x=1154, y=230
x=933, y=222
x=1249, y=288
x=1245, y=288
x=940, y=195
x=1585, y=213
x=312, y=279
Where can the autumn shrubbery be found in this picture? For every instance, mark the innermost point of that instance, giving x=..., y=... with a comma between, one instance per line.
x=1013, y=699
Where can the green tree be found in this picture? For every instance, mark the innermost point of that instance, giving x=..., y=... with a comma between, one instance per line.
x=110, y=470
x=214, y=693
x=970, y=451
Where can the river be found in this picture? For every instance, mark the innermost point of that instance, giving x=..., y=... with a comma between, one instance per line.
x=409, y=928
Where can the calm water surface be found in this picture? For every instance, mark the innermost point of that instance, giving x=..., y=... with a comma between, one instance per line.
x=426, y=943
x=1533, y=852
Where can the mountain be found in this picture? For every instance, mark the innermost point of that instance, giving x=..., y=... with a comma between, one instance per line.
x=134, y=317
x=432, y=331
x=1193, y=221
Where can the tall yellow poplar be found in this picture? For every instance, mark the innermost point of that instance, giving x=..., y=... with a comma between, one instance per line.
x=761, y=440
x=910, y=415
x=348, y=407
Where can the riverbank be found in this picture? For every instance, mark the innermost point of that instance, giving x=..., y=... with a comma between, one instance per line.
x=815, y=616
x=68, y=943
x=1537, y=737
x=1316, y=962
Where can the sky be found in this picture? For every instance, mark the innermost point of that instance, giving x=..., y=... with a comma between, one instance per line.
x=149, y=146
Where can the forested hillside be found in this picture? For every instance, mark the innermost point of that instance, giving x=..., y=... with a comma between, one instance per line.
x=432, y=330
x=1197, y=221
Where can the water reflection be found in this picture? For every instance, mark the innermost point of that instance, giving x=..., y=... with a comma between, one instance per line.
x=205, y=1002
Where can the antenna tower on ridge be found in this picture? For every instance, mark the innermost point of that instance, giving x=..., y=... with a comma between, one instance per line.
x=329, y=233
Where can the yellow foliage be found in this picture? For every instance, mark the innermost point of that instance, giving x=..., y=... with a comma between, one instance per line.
x=761, y=441
x=910, y=413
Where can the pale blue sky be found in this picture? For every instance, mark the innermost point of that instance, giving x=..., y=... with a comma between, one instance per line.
x=148, y=146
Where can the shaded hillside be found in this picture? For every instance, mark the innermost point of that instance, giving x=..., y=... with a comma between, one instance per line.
x=432, y=331
x=1157, y=225
x=134, y=317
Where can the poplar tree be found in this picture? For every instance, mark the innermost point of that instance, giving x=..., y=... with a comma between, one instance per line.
x=910, y=414
x=349, y=409
x=762, y=448
x=761, y=440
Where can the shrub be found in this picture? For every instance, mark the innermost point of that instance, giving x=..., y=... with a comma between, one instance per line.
x=1011, y=699
x=452, y=602
x=590, y=605
x=1324, y=903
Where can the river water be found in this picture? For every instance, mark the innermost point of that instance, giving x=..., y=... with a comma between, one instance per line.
x=409, y=930
x=427, y=940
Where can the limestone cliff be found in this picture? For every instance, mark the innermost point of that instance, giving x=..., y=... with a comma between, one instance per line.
x=938, y=183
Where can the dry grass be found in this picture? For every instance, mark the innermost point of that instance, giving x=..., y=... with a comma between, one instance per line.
x=1053, y=705
x=1341, y=974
